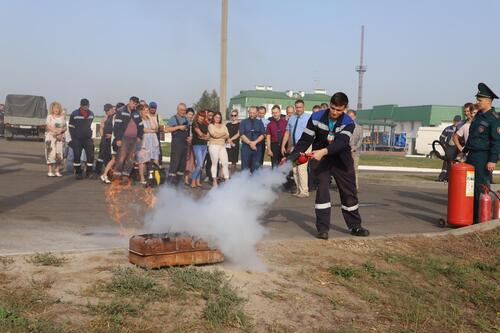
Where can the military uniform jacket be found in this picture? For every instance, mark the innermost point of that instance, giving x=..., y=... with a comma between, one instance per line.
x=122, y=117
x=79, y=126
x=316, y=133
x=484, y=134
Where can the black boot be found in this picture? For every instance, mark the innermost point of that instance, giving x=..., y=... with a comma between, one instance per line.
x=78, y=172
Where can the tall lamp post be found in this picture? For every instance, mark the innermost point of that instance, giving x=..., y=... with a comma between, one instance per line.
x=223, y=60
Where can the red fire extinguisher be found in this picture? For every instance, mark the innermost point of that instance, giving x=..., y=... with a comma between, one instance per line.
x=460, y=195
x=460, y=191
x=304, y=158
x=496, y=206
x=485, y=204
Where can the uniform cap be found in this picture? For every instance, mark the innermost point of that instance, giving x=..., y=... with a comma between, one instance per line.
x=484, y=91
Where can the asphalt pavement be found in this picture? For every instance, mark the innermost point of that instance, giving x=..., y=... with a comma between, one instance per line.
x=38, y=213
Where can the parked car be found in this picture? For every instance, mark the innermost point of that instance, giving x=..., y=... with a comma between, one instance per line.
x=25, y=115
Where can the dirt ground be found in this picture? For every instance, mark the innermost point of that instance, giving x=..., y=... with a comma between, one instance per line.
x=439, y=284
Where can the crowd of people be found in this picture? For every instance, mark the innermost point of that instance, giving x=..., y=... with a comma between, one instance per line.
x=203, y=147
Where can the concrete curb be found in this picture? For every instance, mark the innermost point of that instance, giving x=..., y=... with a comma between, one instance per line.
x=485, y=226
x=455, y=232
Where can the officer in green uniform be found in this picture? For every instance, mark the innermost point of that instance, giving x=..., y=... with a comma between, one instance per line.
x=483, y=144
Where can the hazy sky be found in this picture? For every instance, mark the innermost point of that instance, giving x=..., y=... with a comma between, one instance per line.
x=417, y=52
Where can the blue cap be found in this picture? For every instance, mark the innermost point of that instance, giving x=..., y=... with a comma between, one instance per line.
x=153, y=105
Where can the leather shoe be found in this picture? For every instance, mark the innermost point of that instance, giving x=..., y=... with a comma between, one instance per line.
x=362, y=232
x=322, y=235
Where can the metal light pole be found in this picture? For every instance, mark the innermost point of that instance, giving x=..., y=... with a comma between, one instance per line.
x=223, y=60
x=361, y=69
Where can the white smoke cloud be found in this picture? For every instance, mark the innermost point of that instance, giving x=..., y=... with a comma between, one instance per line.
x=227, y=217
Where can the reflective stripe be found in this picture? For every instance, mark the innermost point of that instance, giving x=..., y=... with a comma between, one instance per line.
x=126, y=114
x=77, y=164
x=340, y=128
x=180, y=173
x=89, y=164
x=125, y=174
x=72, y=126
x=323, y=205
x=116, y=173
x=118, y=121
x=100, y=160
x=78, y=117
x=171, y=174
x=309, y=132
x=349, y=209
x=349, y=134
x=91, y=117
x=320, y=125
x=141, y=123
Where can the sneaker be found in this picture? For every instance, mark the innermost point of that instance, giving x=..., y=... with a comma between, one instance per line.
x=51, y=174
x=58, y=174
x=362, y=232
x=302, y=195
x=105, y=179
x=322, y=235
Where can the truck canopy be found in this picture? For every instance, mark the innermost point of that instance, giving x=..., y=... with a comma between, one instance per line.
x=25, y=106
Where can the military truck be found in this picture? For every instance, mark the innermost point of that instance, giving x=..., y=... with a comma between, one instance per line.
x=25, y=115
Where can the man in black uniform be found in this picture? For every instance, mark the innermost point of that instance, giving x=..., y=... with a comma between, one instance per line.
x=80, y=123
x=128, y=130
x=451, y=150
x=483, y=144
x=329, y=131
x=106, y=131
x=178, y=125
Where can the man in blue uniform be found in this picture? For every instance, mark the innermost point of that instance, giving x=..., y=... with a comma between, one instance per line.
x=80, y=123
x=451, y=149
x=483, y=144
x=329, y=131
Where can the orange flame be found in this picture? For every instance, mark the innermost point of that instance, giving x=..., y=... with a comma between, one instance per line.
x=127, y=205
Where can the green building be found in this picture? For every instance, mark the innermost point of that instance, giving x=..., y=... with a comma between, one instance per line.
x=264, y=95
x=391, y=120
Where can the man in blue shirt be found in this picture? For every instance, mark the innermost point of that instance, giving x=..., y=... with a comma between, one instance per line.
x=178, y=125
x=261, y=114
x=296, y=125
x=252, y=133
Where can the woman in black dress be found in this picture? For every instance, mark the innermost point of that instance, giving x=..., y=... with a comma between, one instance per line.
x=233, y=143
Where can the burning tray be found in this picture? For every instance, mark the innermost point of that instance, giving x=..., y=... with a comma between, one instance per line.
x=161, y=250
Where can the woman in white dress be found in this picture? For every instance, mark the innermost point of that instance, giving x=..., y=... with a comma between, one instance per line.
x=54, y=139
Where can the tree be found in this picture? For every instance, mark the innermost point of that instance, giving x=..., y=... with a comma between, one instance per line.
x=208, y=101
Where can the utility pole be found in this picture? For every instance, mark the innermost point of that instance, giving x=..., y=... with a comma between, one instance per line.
x=361, y=69
x=223, y=60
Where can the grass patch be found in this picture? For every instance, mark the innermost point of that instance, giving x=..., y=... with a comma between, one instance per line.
x=6, y=261
x=115, y=308
x=399, y=161
x=130, y=281
x=223, y=305
x=47, y=259
x=23, y=308
x=343, y=271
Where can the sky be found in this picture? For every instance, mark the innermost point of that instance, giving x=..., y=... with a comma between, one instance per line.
x=416, y=52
